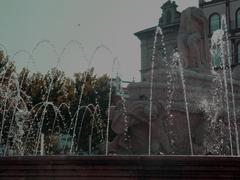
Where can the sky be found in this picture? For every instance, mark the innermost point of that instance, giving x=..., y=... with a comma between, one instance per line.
x=45, y=27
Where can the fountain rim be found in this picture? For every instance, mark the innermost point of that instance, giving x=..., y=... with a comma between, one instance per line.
x=121, y=167
x=120, y=157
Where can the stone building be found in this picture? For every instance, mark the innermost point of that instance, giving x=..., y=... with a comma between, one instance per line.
x=170, y=20
x=231, y=8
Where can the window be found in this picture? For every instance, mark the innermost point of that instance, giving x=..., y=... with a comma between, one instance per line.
x=238, y=53
x=238, y=18
x=214, y=22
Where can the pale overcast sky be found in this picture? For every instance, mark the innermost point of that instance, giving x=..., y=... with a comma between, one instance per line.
x=23, y=23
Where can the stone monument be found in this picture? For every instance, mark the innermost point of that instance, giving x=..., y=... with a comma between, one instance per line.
x=169, y=130
x=193, y=40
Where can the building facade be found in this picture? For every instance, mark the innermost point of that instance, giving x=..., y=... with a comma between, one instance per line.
x=231, y=9
x=170, y=21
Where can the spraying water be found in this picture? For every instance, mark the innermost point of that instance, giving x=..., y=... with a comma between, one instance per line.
x=157, y=32
x=225, y=29
x=186, y=102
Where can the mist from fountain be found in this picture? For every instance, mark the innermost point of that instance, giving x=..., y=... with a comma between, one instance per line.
x=229, y=61
x=220, y=47
x=44, y=106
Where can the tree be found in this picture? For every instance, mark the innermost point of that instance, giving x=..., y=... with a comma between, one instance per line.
x=52, y=104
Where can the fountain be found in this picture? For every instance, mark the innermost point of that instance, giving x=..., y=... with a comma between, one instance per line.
x=193, y=87
x=186, y=108
x=24, y=122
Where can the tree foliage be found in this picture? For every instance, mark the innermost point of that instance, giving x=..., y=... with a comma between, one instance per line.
x=53, y=104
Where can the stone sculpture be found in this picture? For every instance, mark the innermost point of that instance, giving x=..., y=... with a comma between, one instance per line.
x=136, y=140
x=193, y=39
x=138, y=129
x=170, y=134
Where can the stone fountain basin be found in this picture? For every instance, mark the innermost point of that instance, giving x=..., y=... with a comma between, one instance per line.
x=119, y=167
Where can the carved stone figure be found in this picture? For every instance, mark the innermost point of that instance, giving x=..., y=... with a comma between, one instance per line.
x=137, y=123
x=193, y=43
x=136, y=139
x=170, y=123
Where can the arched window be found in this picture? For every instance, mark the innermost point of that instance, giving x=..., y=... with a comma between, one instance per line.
x=214, y=22
x=238, y=53
x=238, y=18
